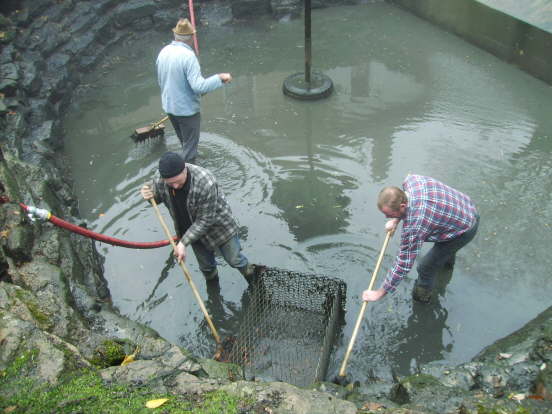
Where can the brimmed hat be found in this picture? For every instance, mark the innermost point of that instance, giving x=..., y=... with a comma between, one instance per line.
x=183, y=28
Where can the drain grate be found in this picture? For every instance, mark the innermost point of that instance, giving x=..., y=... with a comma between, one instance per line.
x=290, y=324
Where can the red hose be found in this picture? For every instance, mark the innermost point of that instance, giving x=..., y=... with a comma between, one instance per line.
x=101, y=237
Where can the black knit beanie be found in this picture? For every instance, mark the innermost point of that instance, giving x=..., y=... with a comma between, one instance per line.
x=171, y=164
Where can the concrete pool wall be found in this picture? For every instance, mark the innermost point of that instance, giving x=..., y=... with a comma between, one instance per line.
x=520, y=39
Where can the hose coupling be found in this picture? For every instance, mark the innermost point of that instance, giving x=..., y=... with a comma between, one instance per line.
x=38, y=213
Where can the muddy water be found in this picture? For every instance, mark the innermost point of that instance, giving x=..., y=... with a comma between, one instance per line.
x=302, y=178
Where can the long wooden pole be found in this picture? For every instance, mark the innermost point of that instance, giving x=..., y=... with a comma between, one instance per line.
x=342, y=371
x=188, y=276
x=192, y=17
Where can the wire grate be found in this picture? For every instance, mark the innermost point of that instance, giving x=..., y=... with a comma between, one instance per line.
x=290, y=325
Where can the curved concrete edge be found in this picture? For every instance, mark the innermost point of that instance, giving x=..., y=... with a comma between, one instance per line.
x=503, y=35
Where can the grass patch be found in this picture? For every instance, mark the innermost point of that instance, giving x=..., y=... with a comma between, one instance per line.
x=484, y=410
x=85, y=392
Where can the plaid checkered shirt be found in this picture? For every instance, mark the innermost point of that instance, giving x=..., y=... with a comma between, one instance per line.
x=212, y=220
x=435, y=213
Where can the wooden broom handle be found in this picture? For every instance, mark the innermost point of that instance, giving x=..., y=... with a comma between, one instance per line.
x=156, y=124
x=187, y=275
x=342, y=371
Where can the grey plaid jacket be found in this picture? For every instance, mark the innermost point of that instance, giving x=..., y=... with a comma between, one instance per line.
x=210, y=213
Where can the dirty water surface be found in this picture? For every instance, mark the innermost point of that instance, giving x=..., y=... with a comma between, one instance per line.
x=302, y=177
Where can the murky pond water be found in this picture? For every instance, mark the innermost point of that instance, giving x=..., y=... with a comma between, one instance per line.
x=303, y=177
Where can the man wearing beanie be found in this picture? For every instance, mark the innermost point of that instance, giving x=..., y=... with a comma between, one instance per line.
x=202, y=217
x=182, y=84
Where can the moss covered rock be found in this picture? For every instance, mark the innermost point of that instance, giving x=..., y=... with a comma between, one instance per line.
x=543, y=384
x=109, y=353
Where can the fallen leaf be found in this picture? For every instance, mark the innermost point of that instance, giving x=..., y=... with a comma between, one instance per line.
x=156, y=403
x=503, y=355
x=130, y=358
x=517, y=397
x=371, y=406
x=127, y=360
x=10, y=408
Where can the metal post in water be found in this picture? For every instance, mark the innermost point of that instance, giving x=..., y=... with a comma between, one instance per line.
x=307, y=85
x=307, y=41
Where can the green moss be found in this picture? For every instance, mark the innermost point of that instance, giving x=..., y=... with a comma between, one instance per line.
x=84, y=391
x=222, y=370
x=484, y=410
x=39, y=316
x=8, y=179
x=18, y=365
x=6, y=36
x=16, y=377
x=71, y=362
x=108, y=354
x=421, y=381
x=4, y=22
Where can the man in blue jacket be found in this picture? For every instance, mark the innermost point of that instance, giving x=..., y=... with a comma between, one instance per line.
x=182, y=85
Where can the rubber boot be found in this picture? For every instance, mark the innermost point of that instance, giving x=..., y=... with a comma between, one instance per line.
x=211, y=276
x=248, y=272
x=421, y=294
x=449, y=265
x=214, y=299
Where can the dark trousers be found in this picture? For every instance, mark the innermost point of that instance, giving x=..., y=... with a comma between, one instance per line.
x=187, y=131
x=441, y=254
x=229, y=250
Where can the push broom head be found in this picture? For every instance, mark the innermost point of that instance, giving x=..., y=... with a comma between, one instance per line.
x=142, y=134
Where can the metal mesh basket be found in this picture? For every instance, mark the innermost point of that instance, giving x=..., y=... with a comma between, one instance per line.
x=290, y=324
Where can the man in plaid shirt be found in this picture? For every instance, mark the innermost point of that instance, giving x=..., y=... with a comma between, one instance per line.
x=202, y=217
x=431, y=211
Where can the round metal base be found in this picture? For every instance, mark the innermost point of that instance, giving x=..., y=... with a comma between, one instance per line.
x=320, y=86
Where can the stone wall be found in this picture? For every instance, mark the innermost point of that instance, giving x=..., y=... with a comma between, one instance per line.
x=46, y=47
